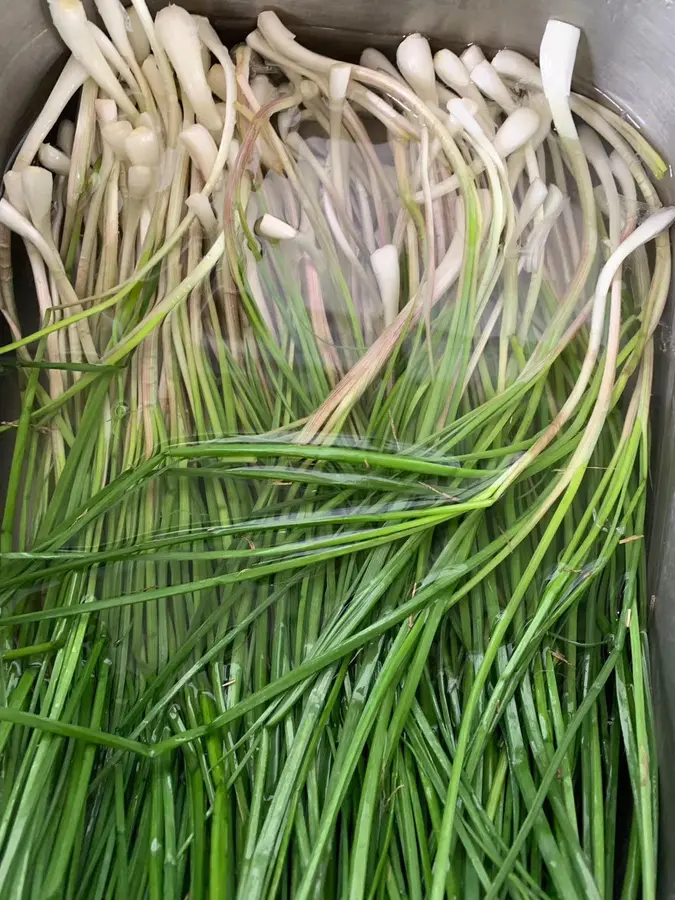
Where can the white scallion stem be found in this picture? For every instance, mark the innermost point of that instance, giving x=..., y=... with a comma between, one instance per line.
x=472, y=57
x=201, y=147
x=516, y=131
x=155, y=65
x=568, y=215
x=200, y=206
x=387, y=272
x=275, y=229
x=54, y=159
x=14, y=189
x=557, y=57
x=280, y=38
x=69, y=82
x=66, y=135
x=124, y=29
x=137, y=36
x=338, y=82
x=142, y=147
x=416, y=64
x=335, y=227
x=374, y=59
x=85, y=134
x=38, y=192
x=114, y=58
x=487, y=80
x=216, y=81
x=533, y=201
x=598, y=159
x=10, y=217
x=155, y=82
x=516, y=67
x=628, y=189
x=536, y=244
x=178, y=33
x=70, y=21
x=115, y=135
x=211, y=40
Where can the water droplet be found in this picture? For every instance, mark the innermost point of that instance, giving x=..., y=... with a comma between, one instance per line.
x=155, y=846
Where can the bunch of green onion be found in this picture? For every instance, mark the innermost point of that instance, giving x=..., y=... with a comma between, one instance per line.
x=322, y=556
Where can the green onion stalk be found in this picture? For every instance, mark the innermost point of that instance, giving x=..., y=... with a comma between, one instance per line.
x=323, y=549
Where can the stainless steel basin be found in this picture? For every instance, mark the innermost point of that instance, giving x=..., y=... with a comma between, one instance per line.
x=628, y=54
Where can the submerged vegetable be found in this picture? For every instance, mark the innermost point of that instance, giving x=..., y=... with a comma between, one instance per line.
x=323, y=564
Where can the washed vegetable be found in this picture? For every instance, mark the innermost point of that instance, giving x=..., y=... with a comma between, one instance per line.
x=323, y=545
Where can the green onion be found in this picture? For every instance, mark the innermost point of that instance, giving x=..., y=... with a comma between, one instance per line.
x=323, y=550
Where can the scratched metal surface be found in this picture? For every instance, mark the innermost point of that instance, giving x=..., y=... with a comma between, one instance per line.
x=628, y=53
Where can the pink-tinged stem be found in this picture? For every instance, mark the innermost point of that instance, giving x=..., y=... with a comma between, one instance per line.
x=317, y=312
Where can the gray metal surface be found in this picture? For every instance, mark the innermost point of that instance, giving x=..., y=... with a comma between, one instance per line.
x=628, y=52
